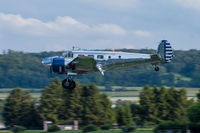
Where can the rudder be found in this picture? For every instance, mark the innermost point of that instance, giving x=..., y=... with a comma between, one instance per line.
x=165, y=51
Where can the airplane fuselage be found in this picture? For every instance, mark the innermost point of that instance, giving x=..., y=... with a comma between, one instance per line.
x=77, y=62
x=92, y=61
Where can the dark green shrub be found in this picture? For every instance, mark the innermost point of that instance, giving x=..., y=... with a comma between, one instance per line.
x=17, y=129
x=106, y=127
x=193, y=113
x=129, y=129
x=172, y=125
x=90, y=128
x=53, y=128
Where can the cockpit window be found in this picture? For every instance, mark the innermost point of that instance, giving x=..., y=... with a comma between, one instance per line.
x=69, y=55
x=100, y=57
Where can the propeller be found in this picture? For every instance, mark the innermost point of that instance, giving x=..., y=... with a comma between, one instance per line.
x=50, y=72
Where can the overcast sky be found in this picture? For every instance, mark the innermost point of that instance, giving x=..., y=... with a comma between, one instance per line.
x=44, y=25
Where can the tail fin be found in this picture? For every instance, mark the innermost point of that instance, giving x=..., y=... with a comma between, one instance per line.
x=165, y=51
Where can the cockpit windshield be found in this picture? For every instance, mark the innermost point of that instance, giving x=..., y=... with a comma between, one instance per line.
x=68, y=54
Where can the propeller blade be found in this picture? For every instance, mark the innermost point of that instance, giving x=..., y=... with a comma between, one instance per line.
x=50, y=72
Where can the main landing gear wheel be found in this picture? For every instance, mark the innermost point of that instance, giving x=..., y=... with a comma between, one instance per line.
x=156, y=68
x=68, y=84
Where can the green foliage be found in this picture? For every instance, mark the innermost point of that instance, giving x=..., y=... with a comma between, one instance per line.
x=26, y=70
x=106, y=126
x=50, y=101
x=172, y=125
x=17, y=129
x=157, y=105
x=198, y=96
x=53, y=128
x=177, y=104
x=128, y=129
x=147, y=105
x=84, y=103
x=124, y=116
x=90, y=128
x=2, y=103
x=71, y=107
x=96, y=107
x=193, y=113
x=19, y=110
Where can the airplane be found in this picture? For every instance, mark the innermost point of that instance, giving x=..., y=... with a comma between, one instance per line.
x=78, y=62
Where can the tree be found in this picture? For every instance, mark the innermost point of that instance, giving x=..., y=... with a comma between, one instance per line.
x=193, y=112
x=19, y=110
x=51, y=101
x=147, y=105
x=84, y=103
x=157, y=105
x=71, y=106
x=30, y=117
x=128, y=116
x=198, y=96
x=12, y=109
x=120, y=115
x=94, y=109
x=177, y=104
x=123, y=114
x=160, y=102
x=108, y=116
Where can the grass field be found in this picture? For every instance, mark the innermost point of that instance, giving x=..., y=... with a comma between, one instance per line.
x=100, y=131
x=118, y=92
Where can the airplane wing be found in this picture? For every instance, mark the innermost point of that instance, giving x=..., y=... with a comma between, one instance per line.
x=83, y=64
x=154, y=59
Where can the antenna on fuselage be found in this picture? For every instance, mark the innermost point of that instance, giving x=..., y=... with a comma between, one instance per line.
x=75, y=48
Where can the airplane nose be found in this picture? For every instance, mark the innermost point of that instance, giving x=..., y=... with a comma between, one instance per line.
x=47, y=61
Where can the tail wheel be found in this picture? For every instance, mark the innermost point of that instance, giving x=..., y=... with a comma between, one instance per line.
x=156, y=68
x=68, y=84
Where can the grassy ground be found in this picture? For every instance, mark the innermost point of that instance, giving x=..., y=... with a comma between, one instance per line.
x=100, y=131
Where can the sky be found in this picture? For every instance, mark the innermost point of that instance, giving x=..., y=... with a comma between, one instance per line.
x=54, y=25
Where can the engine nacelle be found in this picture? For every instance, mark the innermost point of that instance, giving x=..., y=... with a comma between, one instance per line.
x=58, y=65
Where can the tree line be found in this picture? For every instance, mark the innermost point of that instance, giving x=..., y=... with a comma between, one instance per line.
x=88, y=106
x=59, y=105
x=162, y=104
x=18, y=69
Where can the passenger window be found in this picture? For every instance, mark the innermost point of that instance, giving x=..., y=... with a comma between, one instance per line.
x=119, y=57
x=80, y=55
x=99, y=56
x=109, y=57
x=92, y=56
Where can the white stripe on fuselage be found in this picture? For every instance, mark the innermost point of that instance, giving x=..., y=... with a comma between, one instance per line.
x=113, y=55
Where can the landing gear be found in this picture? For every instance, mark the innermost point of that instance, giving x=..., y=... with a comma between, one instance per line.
x=68, y=83
x=156, y=68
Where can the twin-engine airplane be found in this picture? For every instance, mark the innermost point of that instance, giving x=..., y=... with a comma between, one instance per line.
x=77, y=62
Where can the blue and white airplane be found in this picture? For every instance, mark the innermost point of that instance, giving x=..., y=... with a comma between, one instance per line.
x=77, y=62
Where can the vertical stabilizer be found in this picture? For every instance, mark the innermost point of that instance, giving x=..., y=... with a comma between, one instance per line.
x=165, y=51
